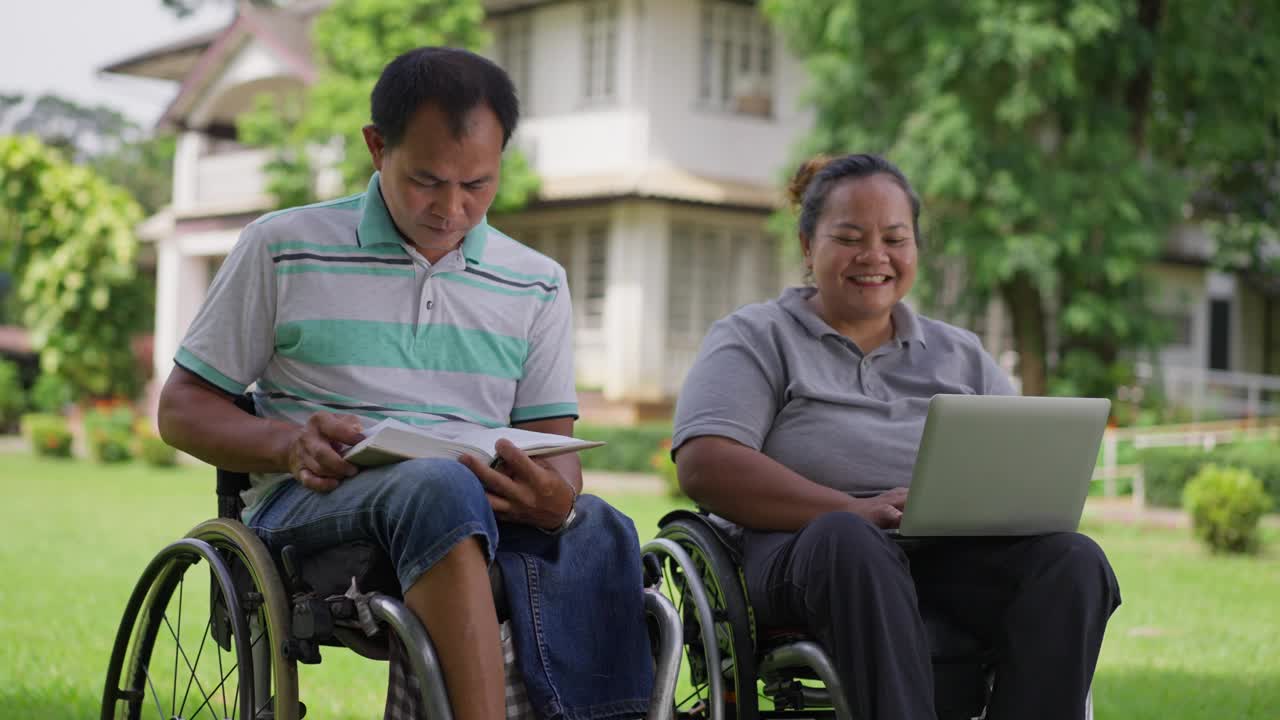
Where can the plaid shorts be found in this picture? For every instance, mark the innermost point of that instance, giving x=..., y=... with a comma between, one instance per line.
x=404, y=698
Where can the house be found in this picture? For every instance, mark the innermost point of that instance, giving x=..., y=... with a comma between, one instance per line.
x=660, y=130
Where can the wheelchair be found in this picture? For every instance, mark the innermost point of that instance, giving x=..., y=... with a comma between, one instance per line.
x=734, y=663
x=226, y=642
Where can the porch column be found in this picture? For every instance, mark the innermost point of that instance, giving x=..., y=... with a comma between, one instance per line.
x=635, y=315
x=182, y=280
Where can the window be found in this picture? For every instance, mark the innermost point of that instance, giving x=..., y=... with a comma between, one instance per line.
x=514, y=49
x=735, y=69
x=600, y=51
x=583, y=252
x=711, y=271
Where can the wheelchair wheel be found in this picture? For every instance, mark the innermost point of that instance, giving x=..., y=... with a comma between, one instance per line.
x=198, y=641
x=722, y=672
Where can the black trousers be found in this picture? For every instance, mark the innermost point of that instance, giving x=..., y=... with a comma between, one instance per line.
x=1042, y=603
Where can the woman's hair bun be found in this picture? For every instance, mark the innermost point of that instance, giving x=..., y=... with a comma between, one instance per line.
x=803, y=176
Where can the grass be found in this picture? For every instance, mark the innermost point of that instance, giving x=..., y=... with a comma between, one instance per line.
x=1198, y=635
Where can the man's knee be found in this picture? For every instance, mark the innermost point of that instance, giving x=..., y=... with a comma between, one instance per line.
x=608, y=534
x=443, y=488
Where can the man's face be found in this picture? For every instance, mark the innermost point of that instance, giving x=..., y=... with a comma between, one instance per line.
x=436, y=185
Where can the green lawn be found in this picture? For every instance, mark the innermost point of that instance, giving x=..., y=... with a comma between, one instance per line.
x=1198, y=635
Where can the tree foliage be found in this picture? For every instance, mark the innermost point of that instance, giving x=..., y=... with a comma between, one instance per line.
x=68, y=239
x=101, y=137
x=352, y=41
x=1055, y=143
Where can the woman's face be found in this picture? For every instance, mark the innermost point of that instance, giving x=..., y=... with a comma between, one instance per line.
x=863, y=250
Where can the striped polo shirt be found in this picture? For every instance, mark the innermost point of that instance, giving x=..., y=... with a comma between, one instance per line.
x=326, y=308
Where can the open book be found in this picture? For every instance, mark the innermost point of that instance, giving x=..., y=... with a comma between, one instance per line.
x=392, y=441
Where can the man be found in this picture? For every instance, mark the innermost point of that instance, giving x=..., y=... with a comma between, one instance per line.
x=402, y=302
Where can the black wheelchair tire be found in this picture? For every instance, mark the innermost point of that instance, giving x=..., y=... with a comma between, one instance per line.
x=221, y=544
x=144, y=618
x=733, y=620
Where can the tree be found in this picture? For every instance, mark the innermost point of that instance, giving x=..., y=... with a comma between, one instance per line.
x=102, y=137
x=353, y=40
x=70, y=244
x=1055, y=144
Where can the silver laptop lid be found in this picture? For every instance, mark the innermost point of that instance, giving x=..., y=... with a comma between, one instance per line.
x=1004, y=465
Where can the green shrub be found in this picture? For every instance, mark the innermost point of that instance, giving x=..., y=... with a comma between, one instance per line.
x=109, y=434
x=156, y=452
x=666, y=467
x=629, y=449
x=51, y=393
x=1262, y=459
x=12, y=399
x=1166, y=471
x=1225, y=505
x=47, y=434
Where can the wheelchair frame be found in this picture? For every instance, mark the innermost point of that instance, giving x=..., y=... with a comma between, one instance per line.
x=247, y=579
x=695, y=560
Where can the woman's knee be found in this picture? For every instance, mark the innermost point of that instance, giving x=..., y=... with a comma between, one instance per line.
x=847, y=535
x=1082, y=564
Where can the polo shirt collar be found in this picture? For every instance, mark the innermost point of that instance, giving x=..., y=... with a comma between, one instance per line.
x=377, y=227
x=795, y=301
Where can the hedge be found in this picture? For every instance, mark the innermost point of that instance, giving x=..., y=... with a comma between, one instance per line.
x=1166, y=471
x=629, y=449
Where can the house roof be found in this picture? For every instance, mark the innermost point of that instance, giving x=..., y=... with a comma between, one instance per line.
x=196, y=62
x=167, y=62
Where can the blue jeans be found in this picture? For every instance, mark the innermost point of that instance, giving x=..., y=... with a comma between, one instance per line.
x=576, y=600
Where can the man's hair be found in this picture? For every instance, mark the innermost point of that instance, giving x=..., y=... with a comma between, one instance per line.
x=454, y=80
x=814, y=180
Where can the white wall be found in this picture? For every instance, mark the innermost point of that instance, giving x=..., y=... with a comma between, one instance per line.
x=707, y=142
x=1180, y=291
x=655, y=120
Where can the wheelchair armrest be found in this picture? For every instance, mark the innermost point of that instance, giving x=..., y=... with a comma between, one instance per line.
x=230, y=483
x=730, y=535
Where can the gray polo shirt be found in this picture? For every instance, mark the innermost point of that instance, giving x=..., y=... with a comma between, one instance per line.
x=777, y=378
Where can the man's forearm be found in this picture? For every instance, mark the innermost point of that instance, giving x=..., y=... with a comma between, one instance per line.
x=206, y=424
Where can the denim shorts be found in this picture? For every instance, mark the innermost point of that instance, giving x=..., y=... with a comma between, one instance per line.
x=417, y=510
x=575, y=599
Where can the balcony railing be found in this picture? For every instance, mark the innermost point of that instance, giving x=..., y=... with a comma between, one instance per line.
x=1216, y=393
x=232, y=181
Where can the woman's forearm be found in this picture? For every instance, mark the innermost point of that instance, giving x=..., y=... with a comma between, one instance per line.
x=750, y=488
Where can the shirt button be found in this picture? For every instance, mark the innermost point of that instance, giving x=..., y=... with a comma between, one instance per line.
x=430, y=304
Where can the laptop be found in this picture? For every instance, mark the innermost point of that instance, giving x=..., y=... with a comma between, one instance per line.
x=992, y=465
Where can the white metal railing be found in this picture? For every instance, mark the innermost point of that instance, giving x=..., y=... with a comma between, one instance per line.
x=1207, y=435
x=1224, y=393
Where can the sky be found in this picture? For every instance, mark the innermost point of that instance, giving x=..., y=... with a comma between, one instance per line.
x=58, y=46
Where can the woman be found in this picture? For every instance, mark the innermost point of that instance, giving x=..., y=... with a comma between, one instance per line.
x=800, y=421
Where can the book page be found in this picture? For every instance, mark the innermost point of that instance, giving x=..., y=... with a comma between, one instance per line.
x=485, y=440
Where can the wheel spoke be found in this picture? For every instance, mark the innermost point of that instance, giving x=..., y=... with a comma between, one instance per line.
x=207, y=627
x=154, y=694
x=224, y=690
x=186, y=660
x=221, y=683
x=697, y=693
x=177, y=642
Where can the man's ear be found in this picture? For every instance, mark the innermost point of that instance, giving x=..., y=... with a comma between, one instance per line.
x=377, y=147
x=805, y=252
